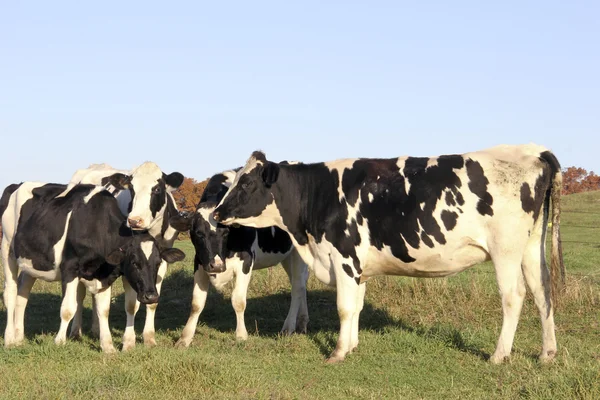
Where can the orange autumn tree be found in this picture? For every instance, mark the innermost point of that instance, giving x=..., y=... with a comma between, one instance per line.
x=188, y=194
x=577, y=180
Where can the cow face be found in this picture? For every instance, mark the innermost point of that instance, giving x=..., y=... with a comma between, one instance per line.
x=250, y=201
x=209, y=239
x=140, y=260
x=149, y=188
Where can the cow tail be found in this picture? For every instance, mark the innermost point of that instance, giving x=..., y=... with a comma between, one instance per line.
x=557, y=265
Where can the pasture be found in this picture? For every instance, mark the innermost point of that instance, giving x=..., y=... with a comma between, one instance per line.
x=418, y=339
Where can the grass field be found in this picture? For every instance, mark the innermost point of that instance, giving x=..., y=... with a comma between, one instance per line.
x=427, y=338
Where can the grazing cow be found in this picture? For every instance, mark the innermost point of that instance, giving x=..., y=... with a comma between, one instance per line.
x=73, y=234
x=144, y=196
x=412, y=216
x=223, y=253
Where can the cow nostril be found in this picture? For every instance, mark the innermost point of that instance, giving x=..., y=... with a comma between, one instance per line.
x=216, y=215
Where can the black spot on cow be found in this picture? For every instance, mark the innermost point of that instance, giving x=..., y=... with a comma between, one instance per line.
x=450, y=199
x=478, y=183
x=449, y=219
x=348, y=270
x=532, y=202
x=427, y=240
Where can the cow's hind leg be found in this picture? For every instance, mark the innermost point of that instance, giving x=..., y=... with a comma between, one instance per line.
x=149, y=330
x=76, y=325
x=297, y=271
x=199, y=294
x=67, y=309
x=24, y=289
x=538, y=280
x=359, y=306
x=512, y=291
x=238, y=301
x=11, y=270
x=131, y=308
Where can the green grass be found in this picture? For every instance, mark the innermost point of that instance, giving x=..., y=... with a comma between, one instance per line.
x=427, y=338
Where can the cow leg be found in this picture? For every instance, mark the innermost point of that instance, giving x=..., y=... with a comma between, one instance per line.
x=11, y=270
x=24, y=288
x=238, y=301
x=78, y=318
x=362, y=288
x=199, y=294
x=131, y=308
x=95, y=324
x=512, y=290
x=102, y=310
x=297, y=271
x=538, y=280
x=149, y=332
x=347, y=304
x=67, y=309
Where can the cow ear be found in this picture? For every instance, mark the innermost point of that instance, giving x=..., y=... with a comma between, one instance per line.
x=118, y=180
x=173, y=180
x=172, y=255
x=181, y=222
x=116, y=257
x=270, y=173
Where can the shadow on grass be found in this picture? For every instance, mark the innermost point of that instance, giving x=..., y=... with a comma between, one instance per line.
x=264, y=316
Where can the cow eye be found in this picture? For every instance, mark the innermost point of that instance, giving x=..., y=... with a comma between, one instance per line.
x=244, y=185
x=156, y=190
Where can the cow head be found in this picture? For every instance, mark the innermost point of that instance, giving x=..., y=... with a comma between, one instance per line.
x=140, y=259
x=209, y=239
x=149, y=188
x=250, y=200
x=208, y=236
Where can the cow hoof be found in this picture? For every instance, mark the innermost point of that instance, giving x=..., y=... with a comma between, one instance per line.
x=75, y=335
x=60, y=341
x=242, y=337
x=109, y=349
x=498, y=359
x=149, y=340
x=547, y=356
x=128, y=346
x=182, y=344
x=334, y=360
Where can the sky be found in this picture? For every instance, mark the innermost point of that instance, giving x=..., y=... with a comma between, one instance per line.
x=196, y=86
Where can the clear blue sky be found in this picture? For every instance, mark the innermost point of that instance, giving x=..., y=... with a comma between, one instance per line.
x=197, y=86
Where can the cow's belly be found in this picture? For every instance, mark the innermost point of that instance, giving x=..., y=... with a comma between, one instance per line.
x=27, y=267
x=266, y=260
x=430, y=263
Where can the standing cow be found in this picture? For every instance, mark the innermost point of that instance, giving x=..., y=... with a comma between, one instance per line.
x=422, y=217
x=144, y=196
x=223, y=253
x=74, y=234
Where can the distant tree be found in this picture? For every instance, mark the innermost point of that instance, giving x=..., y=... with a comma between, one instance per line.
x=188, y=194
x=577, y=180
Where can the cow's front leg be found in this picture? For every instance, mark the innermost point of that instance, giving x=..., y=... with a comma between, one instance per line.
x=131, y=308
x=199, y=294
x=149, y=332
x=297, y=271
x=362, y=288
x=25, y=284
x=102, y=310
x=347, y=304
x=67, y=308
x=238, y=301
x=11, y=270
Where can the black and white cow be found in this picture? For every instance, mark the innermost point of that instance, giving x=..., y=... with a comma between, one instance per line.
x=411, y=216
x=74, y=234
x=223, y=253
x=144, y=196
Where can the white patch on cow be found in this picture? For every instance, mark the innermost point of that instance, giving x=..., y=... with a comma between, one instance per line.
x=432, y=162
x=147, y=247
x=251, y=164
x=401, y=163
x=94, y=286
x=26, y=266
x=230, y=175
x=60, y=245
x=207, y=215
x=66, y=191
x=94, y=191
x=218, y=260
x=340, y=166
x=371, y=197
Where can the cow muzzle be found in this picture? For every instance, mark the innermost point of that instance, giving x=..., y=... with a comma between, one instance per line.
x=148, y=298
x=135, y=223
